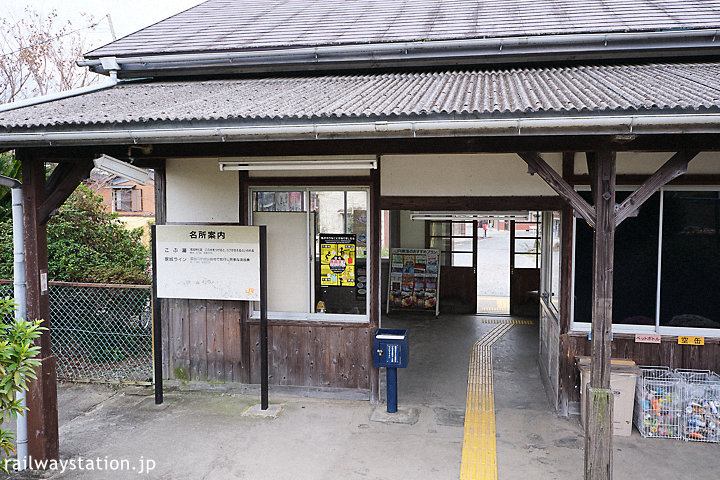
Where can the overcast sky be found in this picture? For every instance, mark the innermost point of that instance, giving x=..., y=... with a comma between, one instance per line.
x=127, y=15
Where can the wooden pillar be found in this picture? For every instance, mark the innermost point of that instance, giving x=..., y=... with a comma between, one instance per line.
x=43, y=442
x=598, y=431
x=245, y=347
x=374, y=266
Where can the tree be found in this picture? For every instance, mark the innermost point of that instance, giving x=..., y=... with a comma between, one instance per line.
x=86, y=244
x=38, y=55
x=17, y=364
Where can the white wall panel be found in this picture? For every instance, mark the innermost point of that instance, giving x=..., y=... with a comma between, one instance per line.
x=462, y=175
x=197, y=191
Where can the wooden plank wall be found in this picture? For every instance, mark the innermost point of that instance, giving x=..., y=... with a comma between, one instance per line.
x=204, y=340
x=205, y=343
x=668, y=354
x=312, y=355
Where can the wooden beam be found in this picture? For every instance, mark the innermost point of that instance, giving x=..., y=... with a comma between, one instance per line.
x=62, y=183
x=43, y=439
x=470, y=204
x=568, y=166
x=598, y=434
x=634, y=179
x=387, y=146
x=673, y=168
x=557, y=183
x=591, y=166
x=598, y=420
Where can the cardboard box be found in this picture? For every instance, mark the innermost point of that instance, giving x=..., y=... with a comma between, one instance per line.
x=623, y=377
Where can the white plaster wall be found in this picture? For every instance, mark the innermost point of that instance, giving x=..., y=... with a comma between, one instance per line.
x=412, y=233
x=647, y=163
x=197, y=191
x=462, y=175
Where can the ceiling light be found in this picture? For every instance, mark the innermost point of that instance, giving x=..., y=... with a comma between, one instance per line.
x=253, y=165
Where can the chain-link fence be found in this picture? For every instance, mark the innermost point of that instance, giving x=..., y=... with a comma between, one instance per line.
x=100, y=333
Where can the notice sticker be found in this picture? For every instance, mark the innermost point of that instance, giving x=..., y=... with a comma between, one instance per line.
x=691, y=340
x=645, y=338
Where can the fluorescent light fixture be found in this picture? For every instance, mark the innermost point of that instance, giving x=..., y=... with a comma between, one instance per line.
x=254, y=165
x=520, y=216
x=122, y=169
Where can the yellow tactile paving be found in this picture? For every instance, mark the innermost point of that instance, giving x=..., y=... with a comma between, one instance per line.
x=510, y=321
x=479, y=458
x=493, y=304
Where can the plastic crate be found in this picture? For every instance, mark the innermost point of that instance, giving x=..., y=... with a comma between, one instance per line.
x=658, y=403
x=701, y=405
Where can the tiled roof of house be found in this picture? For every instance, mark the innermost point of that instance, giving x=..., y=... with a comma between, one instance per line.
x=227, y=25
x=605, y=90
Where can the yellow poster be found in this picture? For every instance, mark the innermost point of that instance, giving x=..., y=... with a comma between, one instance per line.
x=337, y=260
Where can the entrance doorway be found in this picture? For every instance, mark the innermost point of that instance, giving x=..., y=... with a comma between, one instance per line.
x=508, y=264
x=525, y=239
x=493, y=267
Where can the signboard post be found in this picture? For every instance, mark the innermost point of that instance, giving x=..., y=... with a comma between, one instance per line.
x=263, y=320
x=210, y=262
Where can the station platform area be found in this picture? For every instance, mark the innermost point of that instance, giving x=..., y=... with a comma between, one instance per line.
x=201, y=432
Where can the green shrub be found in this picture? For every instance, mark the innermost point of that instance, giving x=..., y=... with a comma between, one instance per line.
x=17, y=365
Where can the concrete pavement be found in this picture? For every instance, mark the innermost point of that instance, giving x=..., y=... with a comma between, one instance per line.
x=203, y=434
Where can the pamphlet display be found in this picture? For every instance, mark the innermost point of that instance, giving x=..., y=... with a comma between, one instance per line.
x=414, y=280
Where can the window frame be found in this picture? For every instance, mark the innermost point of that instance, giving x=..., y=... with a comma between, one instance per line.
x=656, y=329
x=309, y=315
x=451, y=236
x=547, y=265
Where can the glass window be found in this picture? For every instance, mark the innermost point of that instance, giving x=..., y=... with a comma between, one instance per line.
x=454, y=240
x=555, y=262
x=635, y=266
x=278, y=202
x=527, y=243
x=317, y=251
x=341, y=254
x=690, y=260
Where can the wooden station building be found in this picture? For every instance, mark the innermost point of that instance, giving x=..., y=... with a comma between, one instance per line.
x=343, y=117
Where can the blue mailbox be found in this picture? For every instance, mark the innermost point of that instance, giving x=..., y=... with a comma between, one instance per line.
x=390, y=350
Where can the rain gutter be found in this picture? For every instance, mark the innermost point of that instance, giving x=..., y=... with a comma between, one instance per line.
x=418, y=53
x=588, y=125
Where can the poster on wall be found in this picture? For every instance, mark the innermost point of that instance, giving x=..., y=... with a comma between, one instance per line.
x=208, y=262
x=337, y=260
x=360, y=230
x=414, y=280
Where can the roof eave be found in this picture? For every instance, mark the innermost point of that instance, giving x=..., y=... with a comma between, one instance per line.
x=530, y=49
x=617, y=124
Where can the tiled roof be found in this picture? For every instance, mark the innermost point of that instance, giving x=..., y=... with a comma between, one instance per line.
x=655, y=88
x=218, y=25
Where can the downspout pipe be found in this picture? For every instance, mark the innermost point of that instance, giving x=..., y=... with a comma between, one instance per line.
x=108, y=83
x=20, y=291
